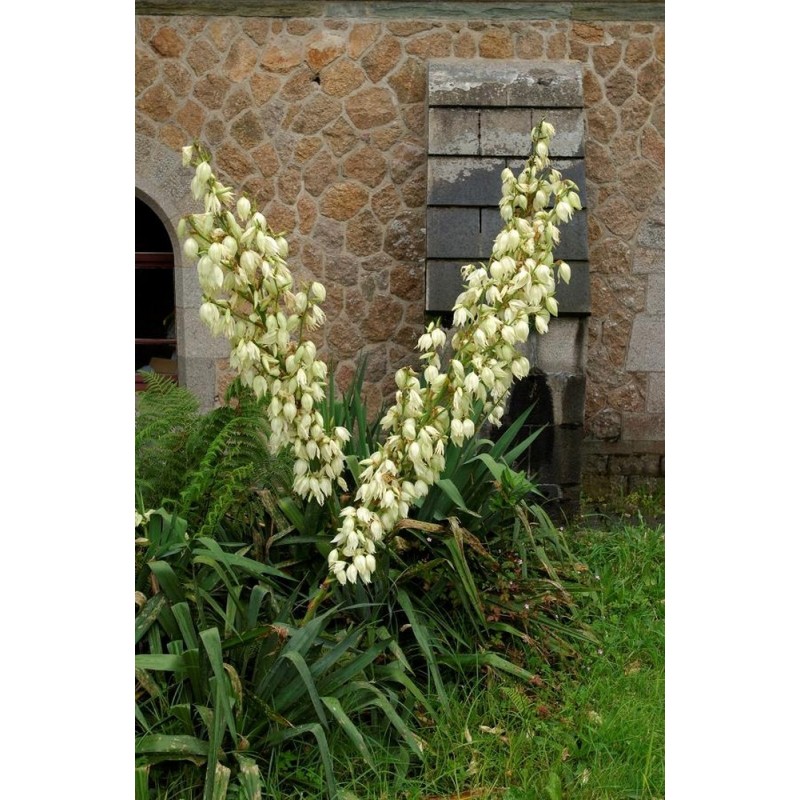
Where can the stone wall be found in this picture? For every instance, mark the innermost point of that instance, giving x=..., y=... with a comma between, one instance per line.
x=321, y=119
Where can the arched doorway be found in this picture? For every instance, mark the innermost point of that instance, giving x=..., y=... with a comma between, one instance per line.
x=156, y=326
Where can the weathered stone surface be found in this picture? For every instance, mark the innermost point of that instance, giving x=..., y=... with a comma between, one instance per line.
x=620, y=85
x=405, y=239
x=496, y=43
x=341, y=78
x=408, y=81
x=247, y=130
x=606, y=425
x=167, y=43
x=430, y=45
x=237, y=100
x=300, y=84
x=266, y=159
x=233, y=162
x=464, y=45
x=306, y=214
x=646, y=351
x=364, y=234
x=453, y=131
x=655, y=393
x=370, y=108
x=409, y=27
x=289, y=185
x=606, y=57
x=263, y=87
x=320, y=172
x=561, y=349
x=211, y=89
x=640, y=182
x=214, y=131
x=257, y=29
x=202, y=57
x=638, y=51
x=513, y=83
x=557, y=46
x=529, y=44
x=644, y=426
x=404, y=159
x=190, y=117
x=178, y=78
x=362, y=36
x=282, y=55
x=463, y=181
x=241, y=61
x=590, y=32
x=381, y=58
x=611, y=256
x=386, y=203
x=453, y=233
x=316, y=113
x=650, y=80
x=366, y=165
x=307, y=147
x=146, y=70
x=158, y=103
x=406, y=281
x=652, y=145
x=323, y=48
x=343, y=200
x=601, y=122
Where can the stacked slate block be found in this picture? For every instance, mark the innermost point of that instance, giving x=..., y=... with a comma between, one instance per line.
x=479, y=120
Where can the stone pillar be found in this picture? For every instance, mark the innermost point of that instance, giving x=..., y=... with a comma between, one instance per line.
x=480, y=115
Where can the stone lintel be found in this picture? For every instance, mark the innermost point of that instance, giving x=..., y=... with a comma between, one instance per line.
x=553, y=84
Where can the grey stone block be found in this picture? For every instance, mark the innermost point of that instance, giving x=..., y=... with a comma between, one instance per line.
x=464, y=181
x=505, y=131
x=655, y=294
x=198, y=374
x=453, y=131
x=570, y=130
x=646, y=348
x=575, y=297
x=646, y=260
x=188, y=294
x=562, y=348
x=655, y=393
x=508, y=83
x=196, y=340
x=651, y=234
x=453, y=232
x=443, y=284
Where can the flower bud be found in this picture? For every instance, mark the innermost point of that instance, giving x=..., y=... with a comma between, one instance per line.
x=243, y=208
x=191, y=249
x=564, y=211
x=203, y=171
x=186, y=155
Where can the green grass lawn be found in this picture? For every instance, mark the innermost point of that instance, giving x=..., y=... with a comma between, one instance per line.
x=591, y=726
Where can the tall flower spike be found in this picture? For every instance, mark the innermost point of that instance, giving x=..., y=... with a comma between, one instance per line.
x=248, y=297
x=491, y=318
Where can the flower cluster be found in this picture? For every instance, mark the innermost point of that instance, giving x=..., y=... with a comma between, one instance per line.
x=249, y=297
x=491, y=318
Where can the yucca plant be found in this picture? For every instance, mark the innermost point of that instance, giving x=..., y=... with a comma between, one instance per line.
x=225, y=675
